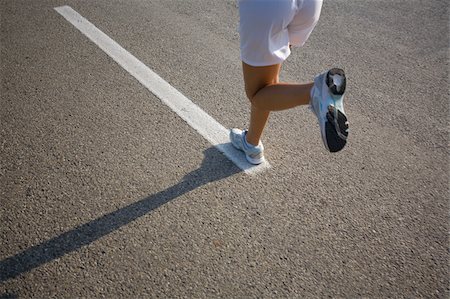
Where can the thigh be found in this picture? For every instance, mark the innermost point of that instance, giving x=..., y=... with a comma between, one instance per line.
x=257, y=77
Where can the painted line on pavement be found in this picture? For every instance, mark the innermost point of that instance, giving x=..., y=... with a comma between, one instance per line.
x=197, y=118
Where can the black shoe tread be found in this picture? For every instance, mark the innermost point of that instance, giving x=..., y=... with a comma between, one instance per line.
x=334, y=141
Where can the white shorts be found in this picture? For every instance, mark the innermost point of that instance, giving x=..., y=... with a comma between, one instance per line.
x=268, y=27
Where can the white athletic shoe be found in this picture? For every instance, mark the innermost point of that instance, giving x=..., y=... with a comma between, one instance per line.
x=327, y=104
x=254, y=154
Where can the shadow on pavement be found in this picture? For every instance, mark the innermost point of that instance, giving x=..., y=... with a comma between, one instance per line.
x=214, y=167
x=9, y=296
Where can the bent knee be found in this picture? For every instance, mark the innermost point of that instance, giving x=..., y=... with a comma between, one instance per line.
x=251, y=93
x=257, y=78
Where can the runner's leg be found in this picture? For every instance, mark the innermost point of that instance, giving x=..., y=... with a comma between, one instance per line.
x=267, y=94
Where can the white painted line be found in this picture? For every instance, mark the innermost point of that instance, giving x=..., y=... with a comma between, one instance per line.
x=198, y=119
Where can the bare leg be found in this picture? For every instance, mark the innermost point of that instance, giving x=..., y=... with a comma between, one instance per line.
x=266, y=94
x=258, y=120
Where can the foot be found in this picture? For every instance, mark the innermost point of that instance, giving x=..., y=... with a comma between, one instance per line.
x=327, y=104
x=253, y=154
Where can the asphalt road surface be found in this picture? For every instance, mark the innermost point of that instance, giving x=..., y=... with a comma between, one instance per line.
x=106, y=192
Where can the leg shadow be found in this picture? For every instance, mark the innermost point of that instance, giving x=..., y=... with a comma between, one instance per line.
x=213, y=168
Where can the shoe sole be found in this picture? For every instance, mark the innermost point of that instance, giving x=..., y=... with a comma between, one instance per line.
x=254, y=161
x=336, y=130
x=334, y=89
x=336, y=126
